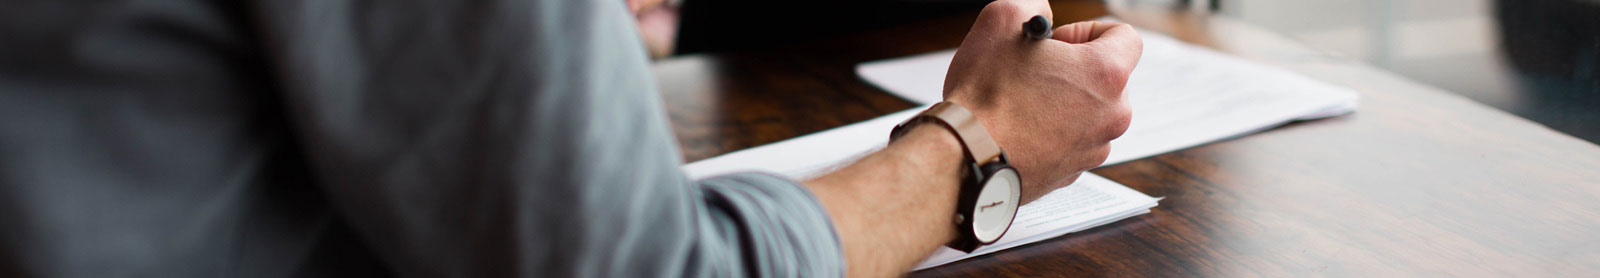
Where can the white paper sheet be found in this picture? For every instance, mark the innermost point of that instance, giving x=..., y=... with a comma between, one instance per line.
x=1091, y=201
x=1182, y=96
x=805, y=156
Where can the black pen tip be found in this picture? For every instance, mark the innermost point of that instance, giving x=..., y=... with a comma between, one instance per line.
x=1037, y=28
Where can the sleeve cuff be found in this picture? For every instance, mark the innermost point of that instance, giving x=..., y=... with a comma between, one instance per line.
x=782, y=228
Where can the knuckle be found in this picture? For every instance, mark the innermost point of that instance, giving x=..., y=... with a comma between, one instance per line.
x=1118, y=121
x=997, y=15
x=1114, y=72
x=1100, y=154
x=1137, y=43
x=1111, y=73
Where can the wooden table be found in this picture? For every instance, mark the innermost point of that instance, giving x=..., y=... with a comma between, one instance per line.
x=1418, y=182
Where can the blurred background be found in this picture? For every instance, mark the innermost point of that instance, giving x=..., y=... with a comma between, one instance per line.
x=1534, y=58
x=1538, y=59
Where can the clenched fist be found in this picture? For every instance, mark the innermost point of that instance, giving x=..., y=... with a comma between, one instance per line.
x=1054, y=105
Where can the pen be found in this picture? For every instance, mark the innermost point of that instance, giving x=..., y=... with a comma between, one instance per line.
x=1037, y=28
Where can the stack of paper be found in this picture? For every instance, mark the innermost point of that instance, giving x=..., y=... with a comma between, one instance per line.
x=1182, y=96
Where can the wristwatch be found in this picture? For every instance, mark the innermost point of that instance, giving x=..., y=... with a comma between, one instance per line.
x=991, y=189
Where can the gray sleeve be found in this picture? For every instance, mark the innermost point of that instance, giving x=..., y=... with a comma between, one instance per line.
x=518, y=138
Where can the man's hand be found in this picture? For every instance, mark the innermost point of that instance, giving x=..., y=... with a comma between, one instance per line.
x=1054, y=104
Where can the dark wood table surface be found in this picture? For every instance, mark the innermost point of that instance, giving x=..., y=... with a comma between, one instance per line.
x=1417, y=182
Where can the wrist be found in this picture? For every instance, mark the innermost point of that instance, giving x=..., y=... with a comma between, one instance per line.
x=935, y=153
x=892, y=208
x=984, y=175
x=935, y=143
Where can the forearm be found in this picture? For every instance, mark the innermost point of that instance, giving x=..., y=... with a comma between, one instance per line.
x=894, y=207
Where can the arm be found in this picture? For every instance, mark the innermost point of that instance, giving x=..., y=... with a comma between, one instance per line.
x=487, y=138
x=454, y=144
x=893, y=207
x=1054, y=105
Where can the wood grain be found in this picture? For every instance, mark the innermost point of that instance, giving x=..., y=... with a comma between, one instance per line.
x=1418, y=182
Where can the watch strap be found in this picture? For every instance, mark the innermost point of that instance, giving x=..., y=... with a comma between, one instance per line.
x=974, y=138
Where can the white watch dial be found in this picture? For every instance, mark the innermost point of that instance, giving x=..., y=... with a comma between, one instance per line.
x=997, y=205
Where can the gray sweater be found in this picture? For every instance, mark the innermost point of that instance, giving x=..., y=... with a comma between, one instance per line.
x=188, y=138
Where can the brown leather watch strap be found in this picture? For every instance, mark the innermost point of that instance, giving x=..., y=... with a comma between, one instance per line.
x=969, y=130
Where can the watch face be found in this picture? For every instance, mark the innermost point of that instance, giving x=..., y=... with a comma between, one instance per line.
x=997, y=205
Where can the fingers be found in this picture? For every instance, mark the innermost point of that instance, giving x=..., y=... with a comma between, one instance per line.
x=1081, y=32
x=1119, y=41
x=1116, y=35
x=1112, y=48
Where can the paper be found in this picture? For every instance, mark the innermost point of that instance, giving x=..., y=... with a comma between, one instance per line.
x=805, y=156
x=1182, y=96
x=1091, y=201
